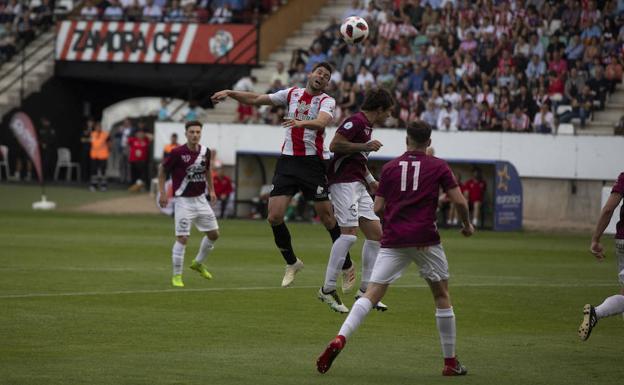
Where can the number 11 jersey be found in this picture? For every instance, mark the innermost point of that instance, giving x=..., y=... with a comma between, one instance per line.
x=410, y=185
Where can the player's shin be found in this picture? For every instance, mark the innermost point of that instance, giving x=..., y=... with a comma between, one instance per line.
x=610, y=306
x=177, y=257
x=205, y=248
x=369, y=256
x=283, y=243
x=445, y=321
x=335, y=234
x=339, y=251
x=358, y=312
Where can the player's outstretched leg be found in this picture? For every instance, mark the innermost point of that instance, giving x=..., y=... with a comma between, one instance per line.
x=610, y=306
x=324, y=361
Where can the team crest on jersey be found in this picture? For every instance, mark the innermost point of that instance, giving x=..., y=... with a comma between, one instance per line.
x=186, y=158
x=367, y=131
x=303, y=108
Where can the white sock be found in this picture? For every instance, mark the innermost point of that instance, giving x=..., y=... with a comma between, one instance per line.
x=338, y=254
x=369, y=256
x=445, y=320
x=205, y=248
x=177, y=257
x=611, y=306
x=359, y=310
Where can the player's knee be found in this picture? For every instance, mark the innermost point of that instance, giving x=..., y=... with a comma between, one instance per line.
x=182, y=239
x=213, y=235
x=348, y=230
x=275, y=219
x=327, y=219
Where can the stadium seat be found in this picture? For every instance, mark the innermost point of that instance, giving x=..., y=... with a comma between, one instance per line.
x=63, y=7
x=565, y=129
x=64, y=161
x=4, y=161
x=563, y=108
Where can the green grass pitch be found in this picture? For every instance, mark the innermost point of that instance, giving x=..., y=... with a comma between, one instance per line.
x=86, y=299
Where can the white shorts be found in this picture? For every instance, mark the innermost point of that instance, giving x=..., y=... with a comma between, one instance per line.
x=619, y=253
x=193, y=210
x=351, y=202
x=391, y=263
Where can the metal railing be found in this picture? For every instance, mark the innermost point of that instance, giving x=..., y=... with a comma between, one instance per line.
x=21, y=66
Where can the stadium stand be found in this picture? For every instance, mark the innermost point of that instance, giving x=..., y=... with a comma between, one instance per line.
x=507, y=58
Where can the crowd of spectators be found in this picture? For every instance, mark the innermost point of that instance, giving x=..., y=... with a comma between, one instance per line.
x=489, y=65
x=20, y=22
x=198, y=11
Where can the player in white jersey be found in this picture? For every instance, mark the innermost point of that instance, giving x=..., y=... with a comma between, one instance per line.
x=349, y=179
x=301, y=167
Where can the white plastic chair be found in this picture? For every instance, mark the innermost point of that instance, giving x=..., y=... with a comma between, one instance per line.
x=565, y=129
x=4, y=162
x=64, y=160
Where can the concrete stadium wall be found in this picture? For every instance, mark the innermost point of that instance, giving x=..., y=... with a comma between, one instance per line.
x=556, y=204
x=562, y=176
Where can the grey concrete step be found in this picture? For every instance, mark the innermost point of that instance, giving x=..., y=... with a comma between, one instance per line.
x=617, y=97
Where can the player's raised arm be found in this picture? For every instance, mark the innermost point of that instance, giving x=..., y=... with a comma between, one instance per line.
x=456, y=197
x=322, y=121
x=342, y=145
x=603, y=221
x=243, y=97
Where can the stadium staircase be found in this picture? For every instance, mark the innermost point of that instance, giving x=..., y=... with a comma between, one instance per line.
x=603, y=122
x=226, y=112
x=35, y=63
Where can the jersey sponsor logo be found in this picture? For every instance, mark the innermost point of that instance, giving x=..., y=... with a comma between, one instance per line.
x=195, y=172
x=348, y=125
x=186, y=158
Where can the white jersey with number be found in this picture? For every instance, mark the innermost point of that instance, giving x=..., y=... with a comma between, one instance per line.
x=300, y=105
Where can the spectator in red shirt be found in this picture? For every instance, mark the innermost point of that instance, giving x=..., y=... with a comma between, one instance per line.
x=138, y=146
x=223, y=189
x=474, y=191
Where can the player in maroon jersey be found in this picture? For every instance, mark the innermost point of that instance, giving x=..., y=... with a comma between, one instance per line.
x=189, y=166
x=615, y=304
x=349, y=178
x=407, y=199
x=301, y=166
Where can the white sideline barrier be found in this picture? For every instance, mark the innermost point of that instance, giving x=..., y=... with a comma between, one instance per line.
x=534, y=155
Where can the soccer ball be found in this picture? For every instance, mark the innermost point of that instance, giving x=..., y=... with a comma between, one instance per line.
x=354, y=29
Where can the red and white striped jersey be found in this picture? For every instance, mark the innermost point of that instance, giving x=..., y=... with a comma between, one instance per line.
x=300, y=105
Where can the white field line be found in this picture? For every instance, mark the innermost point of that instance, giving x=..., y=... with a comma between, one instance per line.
x=265, y=288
